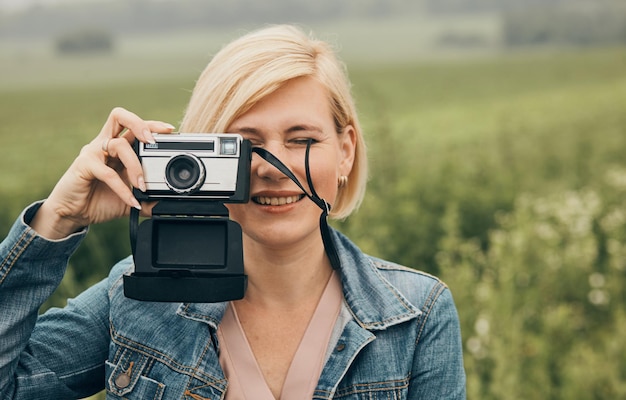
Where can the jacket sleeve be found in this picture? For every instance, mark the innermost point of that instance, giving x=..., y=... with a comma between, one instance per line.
x=438, y=371
x=45, y=357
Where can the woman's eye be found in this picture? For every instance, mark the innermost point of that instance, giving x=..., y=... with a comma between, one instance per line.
x=304, y=141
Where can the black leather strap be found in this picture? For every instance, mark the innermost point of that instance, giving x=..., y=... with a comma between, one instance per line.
x=133, y=227
x=270, y=158
x=329, y=244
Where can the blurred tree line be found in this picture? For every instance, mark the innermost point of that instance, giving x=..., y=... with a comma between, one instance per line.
x=524, y=22
x=580, y=24
x=86, y=40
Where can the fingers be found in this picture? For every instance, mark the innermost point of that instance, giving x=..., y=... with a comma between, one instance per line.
x=113, y=180
x=115, y=141
x=98, y=185
x=124, y=123
x=120, y=120
x=153, y=127
x=120, y=148
x=118, y=134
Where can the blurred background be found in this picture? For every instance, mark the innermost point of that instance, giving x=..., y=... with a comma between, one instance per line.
x=496, y=132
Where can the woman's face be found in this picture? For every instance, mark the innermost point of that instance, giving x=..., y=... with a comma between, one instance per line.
x=278, y=213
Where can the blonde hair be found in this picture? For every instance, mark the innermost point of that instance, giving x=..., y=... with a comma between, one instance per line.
x=257, y=64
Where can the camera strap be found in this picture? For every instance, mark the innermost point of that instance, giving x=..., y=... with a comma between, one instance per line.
x=329, y=244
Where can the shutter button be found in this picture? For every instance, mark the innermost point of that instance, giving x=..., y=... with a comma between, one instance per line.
x=123, y=380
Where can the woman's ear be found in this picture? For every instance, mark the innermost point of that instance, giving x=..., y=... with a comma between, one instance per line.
x=347, y=148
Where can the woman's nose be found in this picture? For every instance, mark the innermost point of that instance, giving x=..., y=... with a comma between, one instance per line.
x=263, y=169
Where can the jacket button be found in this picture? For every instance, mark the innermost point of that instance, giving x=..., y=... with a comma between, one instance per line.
x=340, y=347
x=122, y=381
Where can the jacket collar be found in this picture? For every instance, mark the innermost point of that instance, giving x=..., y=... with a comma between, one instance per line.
x=374, y=303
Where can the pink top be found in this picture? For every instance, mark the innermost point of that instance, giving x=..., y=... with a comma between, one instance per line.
x=245, y=379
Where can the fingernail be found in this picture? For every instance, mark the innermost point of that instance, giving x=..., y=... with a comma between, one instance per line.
x=148, y=136
x=141, y=184
x=169, y=126
x=135, y=203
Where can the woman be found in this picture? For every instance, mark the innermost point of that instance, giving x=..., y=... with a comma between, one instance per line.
x=306, y=328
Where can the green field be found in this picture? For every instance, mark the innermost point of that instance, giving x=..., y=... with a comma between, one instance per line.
x=505, y=175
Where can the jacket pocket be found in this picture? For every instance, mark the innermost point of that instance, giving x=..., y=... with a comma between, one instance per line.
x=125, y=378
x=389, y=390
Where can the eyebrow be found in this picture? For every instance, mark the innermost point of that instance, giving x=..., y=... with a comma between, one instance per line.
x=252, y=131
x=304, y=127
x=291, y=129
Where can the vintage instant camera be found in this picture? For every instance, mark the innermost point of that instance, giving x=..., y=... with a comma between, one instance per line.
x=189, y=250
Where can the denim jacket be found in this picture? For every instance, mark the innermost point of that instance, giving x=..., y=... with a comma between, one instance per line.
x=401, y=339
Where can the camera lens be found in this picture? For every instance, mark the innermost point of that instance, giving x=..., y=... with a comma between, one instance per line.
x=184, y=173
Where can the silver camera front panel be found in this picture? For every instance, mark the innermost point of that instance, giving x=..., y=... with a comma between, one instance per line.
x=221, y=174
x=219, y=153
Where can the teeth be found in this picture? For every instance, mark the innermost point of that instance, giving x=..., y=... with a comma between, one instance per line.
x=276, y=201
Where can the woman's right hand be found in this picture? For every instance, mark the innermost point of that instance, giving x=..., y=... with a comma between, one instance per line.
x=97, y=187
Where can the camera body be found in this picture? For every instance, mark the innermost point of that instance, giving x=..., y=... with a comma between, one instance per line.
x=201, y=166
x=190, y=250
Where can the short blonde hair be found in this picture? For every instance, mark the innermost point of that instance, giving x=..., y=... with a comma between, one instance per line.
x=258, y=63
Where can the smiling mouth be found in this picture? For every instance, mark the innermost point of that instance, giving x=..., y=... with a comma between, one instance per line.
x=276, y=201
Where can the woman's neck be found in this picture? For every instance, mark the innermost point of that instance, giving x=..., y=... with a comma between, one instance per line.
x=285, y=276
